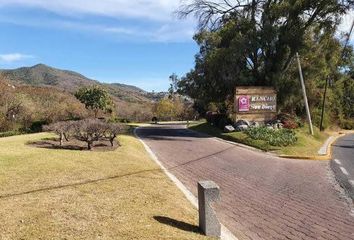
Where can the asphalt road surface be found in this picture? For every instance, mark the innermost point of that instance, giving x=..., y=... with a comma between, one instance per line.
x=262, y=196
x=343, y=162
x=343, y=150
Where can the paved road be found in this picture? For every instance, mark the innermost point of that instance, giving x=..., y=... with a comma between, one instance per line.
x=263, y=197
x=343, y=166
x=343, y=149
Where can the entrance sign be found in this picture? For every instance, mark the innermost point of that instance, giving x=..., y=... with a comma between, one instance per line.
x=257, y=104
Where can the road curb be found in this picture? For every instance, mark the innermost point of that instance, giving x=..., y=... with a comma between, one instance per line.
x=342, y=178
x=226, y=234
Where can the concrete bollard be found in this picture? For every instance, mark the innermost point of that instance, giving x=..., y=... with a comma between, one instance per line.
x=208, y=192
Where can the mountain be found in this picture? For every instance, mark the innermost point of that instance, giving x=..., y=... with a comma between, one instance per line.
x=43, y=75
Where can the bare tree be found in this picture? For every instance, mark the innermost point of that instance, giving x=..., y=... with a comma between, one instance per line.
x=211, y=14
x=62, y=129
x=112, y=131
x=89, y=131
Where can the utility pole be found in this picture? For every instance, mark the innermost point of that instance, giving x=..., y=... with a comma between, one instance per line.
x=304, y=93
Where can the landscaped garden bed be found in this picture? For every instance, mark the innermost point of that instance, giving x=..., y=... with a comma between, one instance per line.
x=305, y=144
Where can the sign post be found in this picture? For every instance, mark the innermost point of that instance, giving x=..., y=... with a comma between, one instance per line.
x=258, y=104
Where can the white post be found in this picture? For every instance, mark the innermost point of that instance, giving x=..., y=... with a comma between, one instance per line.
x=304, y=93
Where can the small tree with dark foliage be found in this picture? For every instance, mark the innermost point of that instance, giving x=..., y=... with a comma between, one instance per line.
x=95, y=98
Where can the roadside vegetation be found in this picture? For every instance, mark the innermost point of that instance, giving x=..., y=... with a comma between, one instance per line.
x=254, y=43
x=238, y=137
x=307, y=145
x=24, y=109
x=46, y=193
x=280, y=137
x=283, y=141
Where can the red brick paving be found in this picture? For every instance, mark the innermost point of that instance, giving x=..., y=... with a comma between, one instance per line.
x=263, y=197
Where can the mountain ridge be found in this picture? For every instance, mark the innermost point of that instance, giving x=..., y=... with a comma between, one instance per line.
x=44, y=75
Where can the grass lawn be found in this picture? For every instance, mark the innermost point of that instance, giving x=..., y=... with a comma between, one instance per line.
x=306, y=145
x=68, y=194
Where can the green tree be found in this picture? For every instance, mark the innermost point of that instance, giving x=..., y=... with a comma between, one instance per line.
x=95, y=98
x=253, y=43
x=164, y=109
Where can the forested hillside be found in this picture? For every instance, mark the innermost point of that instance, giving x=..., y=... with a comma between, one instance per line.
x=31, y=96
x=42, y=75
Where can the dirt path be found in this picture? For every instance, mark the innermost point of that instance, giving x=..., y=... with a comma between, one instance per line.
x=263, y=197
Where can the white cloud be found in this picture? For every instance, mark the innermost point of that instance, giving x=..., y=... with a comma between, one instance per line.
x=14, y=57
x=156, y=19
x=174, y=32
x=152, y=9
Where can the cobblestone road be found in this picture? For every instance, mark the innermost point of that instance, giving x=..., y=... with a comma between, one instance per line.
x=263, y=197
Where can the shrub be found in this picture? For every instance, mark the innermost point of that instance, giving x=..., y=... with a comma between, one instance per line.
x=9, y=134
x=290, y=124
x=316, y=115
x=289, y=121
x=281, y=137
x=37, y=126
x=217, y=119
x=347, y=124
x=223, y=121
x=154, y=120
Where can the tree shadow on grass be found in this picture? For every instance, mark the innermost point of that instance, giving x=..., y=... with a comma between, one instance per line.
x=177, y=224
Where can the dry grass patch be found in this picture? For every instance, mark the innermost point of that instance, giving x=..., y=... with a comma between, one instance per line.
x=66, y=194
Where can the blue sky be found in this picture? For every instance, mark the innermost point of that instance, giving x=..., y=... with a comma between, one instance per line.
x=136, y=42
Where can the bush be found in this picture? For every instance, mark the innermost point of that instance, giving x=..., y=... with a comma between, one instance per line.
x=36, y=126
x=281, y=137
x=289, y=121
x=223, y=122
x=217, y=119
x=347, y=124
x=316, y=115
x=9, y=134
x=289, y=124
